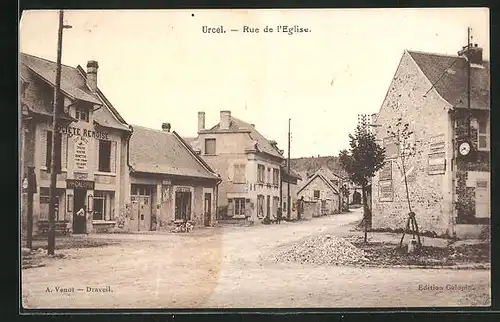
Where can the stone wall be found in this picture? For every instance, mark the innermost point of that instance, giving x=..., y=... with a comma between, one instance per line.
x=427, y=116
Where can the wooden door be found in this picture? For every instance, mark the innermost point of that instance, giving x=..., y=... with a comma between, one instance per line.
x=208, y=209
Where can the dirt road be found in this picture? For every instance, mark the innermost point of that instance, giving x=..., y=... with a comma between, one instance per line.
x=227, y=268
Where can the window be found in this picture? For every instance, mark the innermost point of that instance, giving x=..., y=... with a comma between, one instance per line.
x=260, y=206
x=269, y=178
x=261, y=173
x=210, y=146
x=482, y=135
x=99, y=206
x=335, y=182
x=276, y=176
x=82, y=114
x=104, y=156
x=316, y=194
x=239, y=207
x=239, y=173
x=48, y=151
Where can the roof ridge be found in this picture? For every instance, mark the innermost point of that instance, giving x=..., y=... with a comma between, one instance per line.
x=45, y=59
x=149, y=128
x=433, y=54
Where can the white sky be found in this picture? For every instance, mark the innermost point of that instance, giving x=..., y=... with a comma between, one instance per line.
x=157, y=66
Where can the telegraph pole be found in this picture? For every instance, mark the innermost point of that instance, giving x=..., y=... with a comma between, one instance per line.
x=288, y=213
x=54, y=157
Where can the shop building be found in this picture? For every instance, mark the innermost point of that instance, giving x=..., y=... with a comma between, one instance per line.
x=168, y=183
x=92, y=139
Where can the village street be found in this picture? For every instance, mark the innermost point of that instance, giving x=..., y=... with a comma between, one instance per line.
x=227, y=268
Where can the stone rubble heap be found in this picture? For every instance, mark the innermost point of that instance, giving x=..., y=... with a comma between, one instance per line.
x=322, y=250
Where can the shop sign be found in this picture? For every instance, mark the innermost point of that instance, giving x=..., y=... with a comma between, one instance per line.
x=437, y=163
x=76, y=131
x=183, y=189
x=81, y=153
x=79, y=184
x=386, y=171
x=385, y=191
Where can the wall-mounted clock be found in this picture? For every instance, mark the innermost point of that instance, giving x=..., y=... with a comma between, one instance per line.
x=464, y=148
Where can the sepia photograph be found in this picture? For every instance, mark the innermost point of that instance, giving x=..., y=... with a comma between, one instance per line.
x=254, y=159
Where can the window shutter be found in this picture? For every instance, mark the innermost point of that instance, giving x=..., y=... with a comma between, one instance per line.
x=113, y=157
x=96, y=157
x=43, y=145
x=231, y=172
x=64, y=151
x=230, y=207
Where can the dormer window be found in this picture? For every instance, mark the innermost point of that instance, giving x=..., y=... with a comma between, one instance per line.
x=82, y=114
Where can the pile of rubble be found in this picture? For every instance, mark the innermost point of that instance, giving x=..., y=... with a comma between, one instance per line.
x=322, y=250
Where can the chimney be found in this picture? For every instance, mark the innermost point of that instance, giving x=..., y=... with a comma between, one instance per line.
x=225, y=120
x=473, y=53
x=165, y=127
x=201, y=121
x=92, y=67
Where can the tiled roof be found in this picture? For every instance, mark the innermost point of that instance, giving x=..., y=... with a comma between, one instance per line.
x=155, y=151
x=328, y=174
x=262, y=144
x=292, y=173
x=73, y=85
x=452, y=85
x=318, y=175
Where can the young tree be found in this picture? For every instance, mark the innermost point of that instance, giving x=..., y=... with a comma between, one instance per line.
x=406, y=149
x=364, y=158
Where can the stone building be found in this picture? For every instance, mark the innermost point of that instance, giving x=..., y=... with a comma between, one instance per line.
x=92, y=139
x=249, y=166
x=323, y=188
x=450, y=194
x=168, y=183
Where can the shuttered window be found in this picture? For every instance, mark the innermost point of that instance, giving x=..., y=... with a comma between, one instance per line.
x=47, y=150
x=482, y=135
x=107, y=156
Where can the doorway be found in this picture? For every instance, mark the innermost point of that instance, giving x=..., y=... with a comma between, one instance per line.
x=208, y=209
x=183, y=205
x=268, y=208
x=141, y=207
x=79, y=221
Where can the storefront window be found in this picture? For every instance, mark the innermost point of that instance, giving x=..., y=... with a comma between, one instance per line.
x=99, y=206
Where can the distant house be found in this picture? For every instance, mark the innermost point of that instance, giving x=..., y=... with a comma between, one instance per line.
x=249, y=166
x=323, y=188
x=168, y=182
x=289, y=179
x=449, y=192
x=91, y=140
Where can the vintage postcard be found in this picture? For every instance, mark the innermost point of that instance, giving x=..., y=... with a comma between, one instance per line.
x=174, y=159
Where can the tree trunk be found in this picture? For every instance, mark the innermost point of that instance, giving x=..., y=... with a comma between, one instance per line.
x=365, y=212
